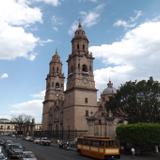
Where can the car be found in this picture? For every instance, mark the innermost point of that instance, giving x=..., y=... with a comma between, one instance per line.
x=37, y=140
x=7, y=143
x=28, y=155
x=29, y=138
x=2, y=156
x=15, y=150
x=2, y=142
x=45, y=141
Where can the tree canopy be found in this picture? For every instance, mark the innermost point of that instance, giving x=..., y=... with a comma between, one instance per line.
x=137, y=101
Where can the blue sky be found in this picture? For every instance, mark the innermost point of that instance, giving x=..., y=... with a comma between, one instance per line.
x=124, y=39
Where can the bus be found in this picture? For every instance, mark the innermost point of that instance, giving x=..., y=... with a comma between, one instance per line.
x=98, y=147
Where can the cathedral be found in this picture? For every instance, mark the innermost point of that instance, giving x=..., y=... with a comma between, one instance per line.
x=72, y=112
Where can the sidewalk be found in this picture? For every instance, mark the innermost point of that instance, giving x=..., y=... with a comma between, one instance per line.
x=153, y=156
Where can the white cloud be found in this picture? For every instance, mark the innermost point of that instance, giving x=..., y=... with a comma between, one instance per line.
x=39, y=95
x=56, y=22
x=54, y=3
x=138, y=13
x=4, y=76
x=19, y=13
x=130, y=23
x=88, y=19
x=43, y=42
x=88, y=1
x=123, y=23
x=32, y=107
x=15, y=41
x=73, y=27
x=136, y=56
x=93, y=0
x=91, y=18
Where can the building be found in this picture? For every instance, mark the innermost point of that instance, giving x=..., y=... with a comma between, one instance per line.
x=54, y=97
x=7, y=127
x=80, y=95
x=69, y=112
x=102, y=123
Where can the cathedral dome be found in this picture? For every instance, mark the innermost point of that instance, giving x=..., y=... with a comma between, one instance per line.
x=110, y=90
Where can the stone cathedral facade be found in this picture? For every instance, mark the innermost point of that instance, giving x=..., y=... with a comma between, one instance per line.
x=68, y=111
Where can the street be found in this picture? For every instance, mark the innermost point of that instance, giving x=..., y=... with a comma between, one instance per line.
x=55, y=153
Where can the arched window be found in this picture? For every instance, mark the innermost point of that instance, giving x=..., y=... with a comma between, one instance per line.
x=53, y=70
x=57, y=85
x=57, y=69
x=84, y=68
x=83, y=46
x=78, y=66
x=71, y=69
x=77, y=46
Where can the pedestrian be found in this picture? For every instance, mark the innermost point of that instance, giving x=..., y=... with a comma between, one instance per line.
x=67, y=145
x=156, y=149
x=111, y=158
x=122, y=149
x=133, y=151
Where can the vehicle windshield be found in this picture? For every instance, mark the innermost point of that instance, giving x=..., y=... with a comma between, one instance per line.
x=28, y=155
x=1, y=156
x=17, y=147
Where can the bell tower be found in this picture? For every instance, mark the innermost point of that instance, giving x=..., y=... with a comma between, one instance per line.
x=54, y=93
x=81, y=94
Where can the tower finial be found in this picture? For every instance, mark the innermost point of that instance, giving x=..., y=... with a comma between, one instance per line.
x=110, y=84
x=56, y=52
x=79, y=24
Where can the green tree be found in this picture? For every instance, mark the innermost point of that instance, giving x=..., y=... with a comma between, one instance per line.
x=137, y=101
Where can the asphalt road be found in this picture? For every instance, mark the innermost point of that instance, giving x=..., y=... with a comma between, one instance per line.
x=49, y=152
x=55, y=153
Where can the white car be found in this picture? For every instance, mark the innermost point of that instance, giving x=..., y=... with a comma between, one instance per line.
x=37, y=140
x=2, y=157
x=28, y=138
x=45, y=141
x=28, y=155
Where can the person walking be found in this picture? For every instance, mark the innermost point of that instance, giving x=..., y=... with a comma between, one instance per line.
x=133, y=151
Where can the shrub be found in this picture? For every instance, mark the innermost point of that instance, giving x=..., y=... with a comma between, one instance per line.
x=143, y=136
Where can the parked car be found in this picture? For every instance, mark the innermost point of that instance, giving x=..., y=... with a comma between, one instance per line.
x=29, y=138
x=2, y=142
x=45, y=141
x=28, y=155
x=2, y=156
x=15, y=150
x=37, y=140
x=7, y=143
